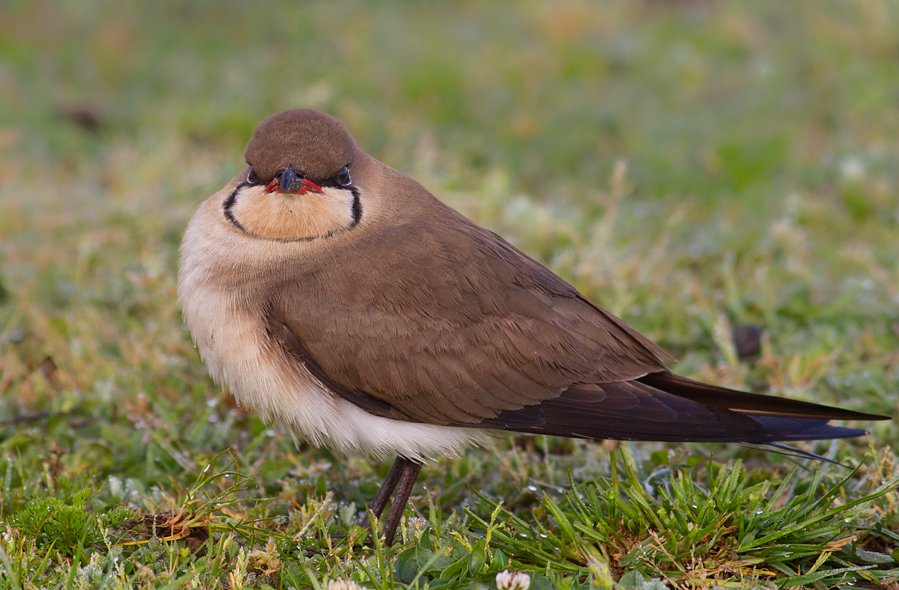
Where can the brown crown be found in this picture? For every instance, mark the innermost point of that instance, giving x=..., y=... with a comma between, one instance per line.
x=312, y=143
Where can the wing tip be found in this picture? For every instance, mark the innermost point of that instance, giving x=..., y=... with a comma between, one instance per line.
x=752, y=404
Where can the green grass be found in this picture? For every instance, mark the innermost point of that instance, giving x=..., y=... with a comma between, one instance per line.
x=693, y=166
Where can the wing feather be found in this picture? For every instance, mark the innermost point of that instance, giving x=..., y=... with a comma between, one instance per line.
x=453, y=325
x=646, y=410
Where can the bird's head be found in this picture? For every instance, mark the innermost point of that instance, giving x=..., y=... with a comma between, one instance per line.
x=299, y=184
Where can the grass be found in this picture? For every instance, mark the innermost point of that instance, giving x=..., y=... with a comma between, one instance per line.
x=693, y=166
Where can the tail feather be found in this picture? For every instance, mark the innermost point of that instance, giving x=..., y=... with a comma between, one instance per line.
x=788, y=451
x=666, y=407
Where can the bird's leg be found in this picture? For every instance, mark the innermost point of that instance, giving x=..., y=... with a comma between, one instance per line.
x=410, y=474
x=403, y=472
x=393, y=477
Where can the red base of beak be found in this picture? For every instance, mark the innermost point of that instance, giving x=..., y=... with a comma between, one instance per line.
x=307, y=186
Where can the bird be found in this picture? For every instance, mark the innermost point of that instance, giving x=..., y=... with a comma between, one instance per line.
x=344, y=302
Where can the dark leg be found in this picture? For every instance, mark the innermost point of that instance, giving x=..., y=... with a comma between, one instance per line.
x=410, y=474
x=393, y=477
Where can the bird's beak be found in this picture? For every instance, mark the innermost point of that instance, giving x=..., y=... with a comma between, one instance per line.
x=289, y=181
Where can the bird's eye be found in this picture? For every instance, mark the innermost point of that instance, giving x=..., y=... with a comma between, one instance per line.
x=252, y=178
x=343, y=177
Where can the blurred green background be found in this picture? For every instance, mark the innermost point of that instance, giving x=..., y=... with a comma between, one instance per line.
x=694, y=166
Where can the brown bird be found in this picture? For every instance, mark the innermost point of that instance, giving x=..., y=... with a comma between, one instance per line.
x=343, y=301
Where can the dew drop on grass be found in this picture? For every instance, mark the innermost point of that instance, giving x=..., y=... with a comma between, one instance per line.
x=532, y=488
x=205, y=469
x=212, y=403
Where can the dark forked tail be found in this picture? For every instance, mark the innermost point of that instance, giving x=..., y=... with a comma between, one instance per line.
x=667, y=407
